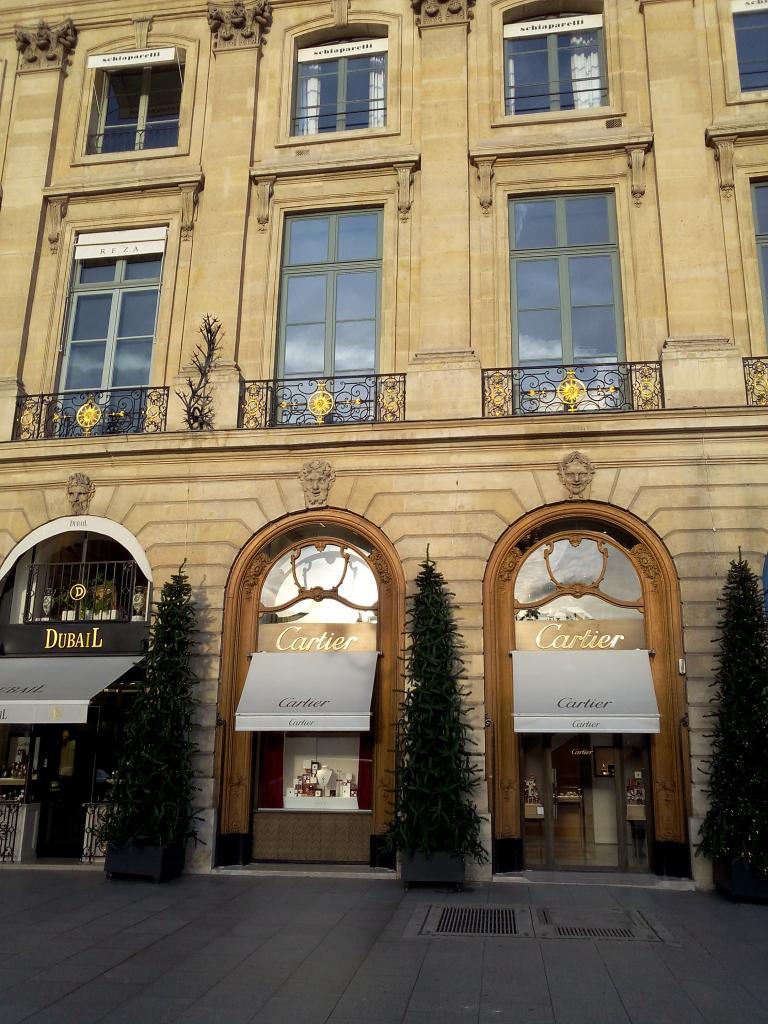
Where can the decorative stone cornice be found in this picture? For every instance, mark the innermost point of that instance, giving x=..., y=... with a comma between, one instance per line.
x=44, y=47
x=442, y=12
x=484, y=165
x=723, y=145
x=636, y=161
x=235, y=25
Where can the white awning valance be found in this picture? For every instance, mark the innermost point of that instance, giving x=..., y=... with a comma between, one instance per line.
x=307, y=692
x=94, y=245
x=584, y=691
x=133, y=58
x=332, y=51
x=547, y=26
x=38, y=691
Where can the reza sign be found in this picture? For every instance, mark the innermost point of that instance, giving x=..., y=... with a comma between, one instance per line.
x=580, y=635
x=318, y=637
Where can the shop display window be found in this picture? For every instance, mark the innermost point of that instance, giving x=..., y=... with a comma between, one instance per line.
x=315, y=771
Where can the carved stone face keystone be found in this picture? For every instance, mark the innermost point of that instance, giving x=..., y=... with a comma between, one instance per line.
x=80, y=492
x=316, y=479
x=575, y=472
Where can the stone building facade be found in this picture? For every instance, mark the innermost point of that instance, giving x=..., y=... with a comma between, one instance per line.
x=498, y=233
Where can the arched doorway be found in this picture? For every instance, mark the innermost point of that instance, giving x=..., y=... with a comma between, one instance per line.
x=583, y=598
x=309, y=602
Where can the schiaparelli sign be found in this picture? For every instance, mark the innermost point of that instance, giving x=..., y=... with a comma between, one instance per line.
x=62, y=638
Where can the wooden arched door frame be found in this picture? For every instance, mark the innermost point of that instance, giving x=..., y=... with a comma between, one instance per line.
x=661, y=596
x=234, y=750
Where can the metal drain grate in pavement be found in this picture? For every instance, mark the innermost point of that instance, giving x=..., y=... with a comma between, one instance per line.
x=438, y=920
x=475, y=921
x=593, y=923
x=563, y=932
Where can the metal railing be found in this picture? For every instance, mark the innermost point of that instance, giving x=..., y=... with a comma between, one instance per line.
x=85, y=592
x=90, y=413
x=322, y=401
x=92, y=848
x=123, y=139
x=756, y=380
x=9, y=824
x=584, y=387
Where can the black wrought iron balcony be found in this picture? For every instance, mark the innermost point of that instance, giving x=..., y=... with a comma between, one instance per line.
x=322, y=401
x=756, y=380
x=124, y=139
x=586, y=387
x=85, y=592
x=90, y=413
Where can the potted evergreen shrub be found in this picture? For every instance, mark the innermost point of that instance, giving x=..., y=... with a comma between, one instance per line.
x=436, y=826
x=735, y=830
x=150, y=817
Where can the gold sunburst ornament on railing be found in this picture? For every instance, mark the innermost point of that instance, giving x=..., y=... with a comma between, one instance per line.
x=571, y=390
x=320, y=402
x=88, y=416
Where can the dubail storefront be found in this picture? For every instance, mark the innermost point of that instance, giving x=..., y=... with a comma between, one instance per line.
x=584, y=696
x=74, y=600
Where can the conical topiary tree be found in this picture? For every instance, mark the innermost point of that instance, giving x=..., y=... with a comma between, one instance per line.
x=151, y=799
x=435, y=777
x=736, y=825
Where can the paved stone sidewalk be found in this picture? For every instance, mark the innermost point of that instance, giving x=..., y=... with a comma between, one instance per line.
x=227, y=949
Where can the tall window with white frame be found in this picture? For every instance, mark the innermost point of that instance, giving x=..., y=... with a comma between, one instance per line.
x=329, y=306
x=556, y=63
x=340, y=87
x=750, y=25
x=135, y=107
x=566, y=299
x=111, y=320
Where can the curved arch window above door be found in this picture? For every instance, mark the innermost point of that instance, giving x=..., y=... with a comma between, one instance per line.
x=321, y=582
x=577, y=563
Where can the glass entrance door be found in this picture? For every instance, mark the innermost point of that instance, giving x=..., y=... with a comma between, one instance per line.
x=585, y=801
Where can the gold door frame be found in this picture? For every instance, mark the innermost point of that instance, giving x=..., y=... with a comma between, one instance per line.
x=233, y=750
x=661, y=596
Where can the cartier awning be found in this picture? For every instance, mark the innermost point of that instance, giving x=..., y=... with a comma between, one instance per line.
x=307, y=692
x=36, y=691
x=584, y=691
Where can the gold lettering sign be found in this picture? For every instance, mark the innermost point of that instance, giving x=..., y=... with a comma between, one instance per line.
x=67, y=640
x=318, y=637
x=580, y=635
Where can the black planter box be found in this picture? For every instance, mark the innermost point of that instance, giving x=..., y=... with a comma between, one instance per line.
x=737, y=881
x=159, y=863
x=432, y=869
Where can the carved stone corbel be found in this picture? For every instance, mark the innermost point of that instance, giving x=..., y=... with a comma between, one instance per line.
x=404, y=189
x=723, y=147
x=190, y=196
x=340, y=12
x=235, y=25
x=141, y=27
x=44, y=47
x=636, y=160
x=442, y=12
x=57, y=211
x=265, y=188
x=484, y=165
